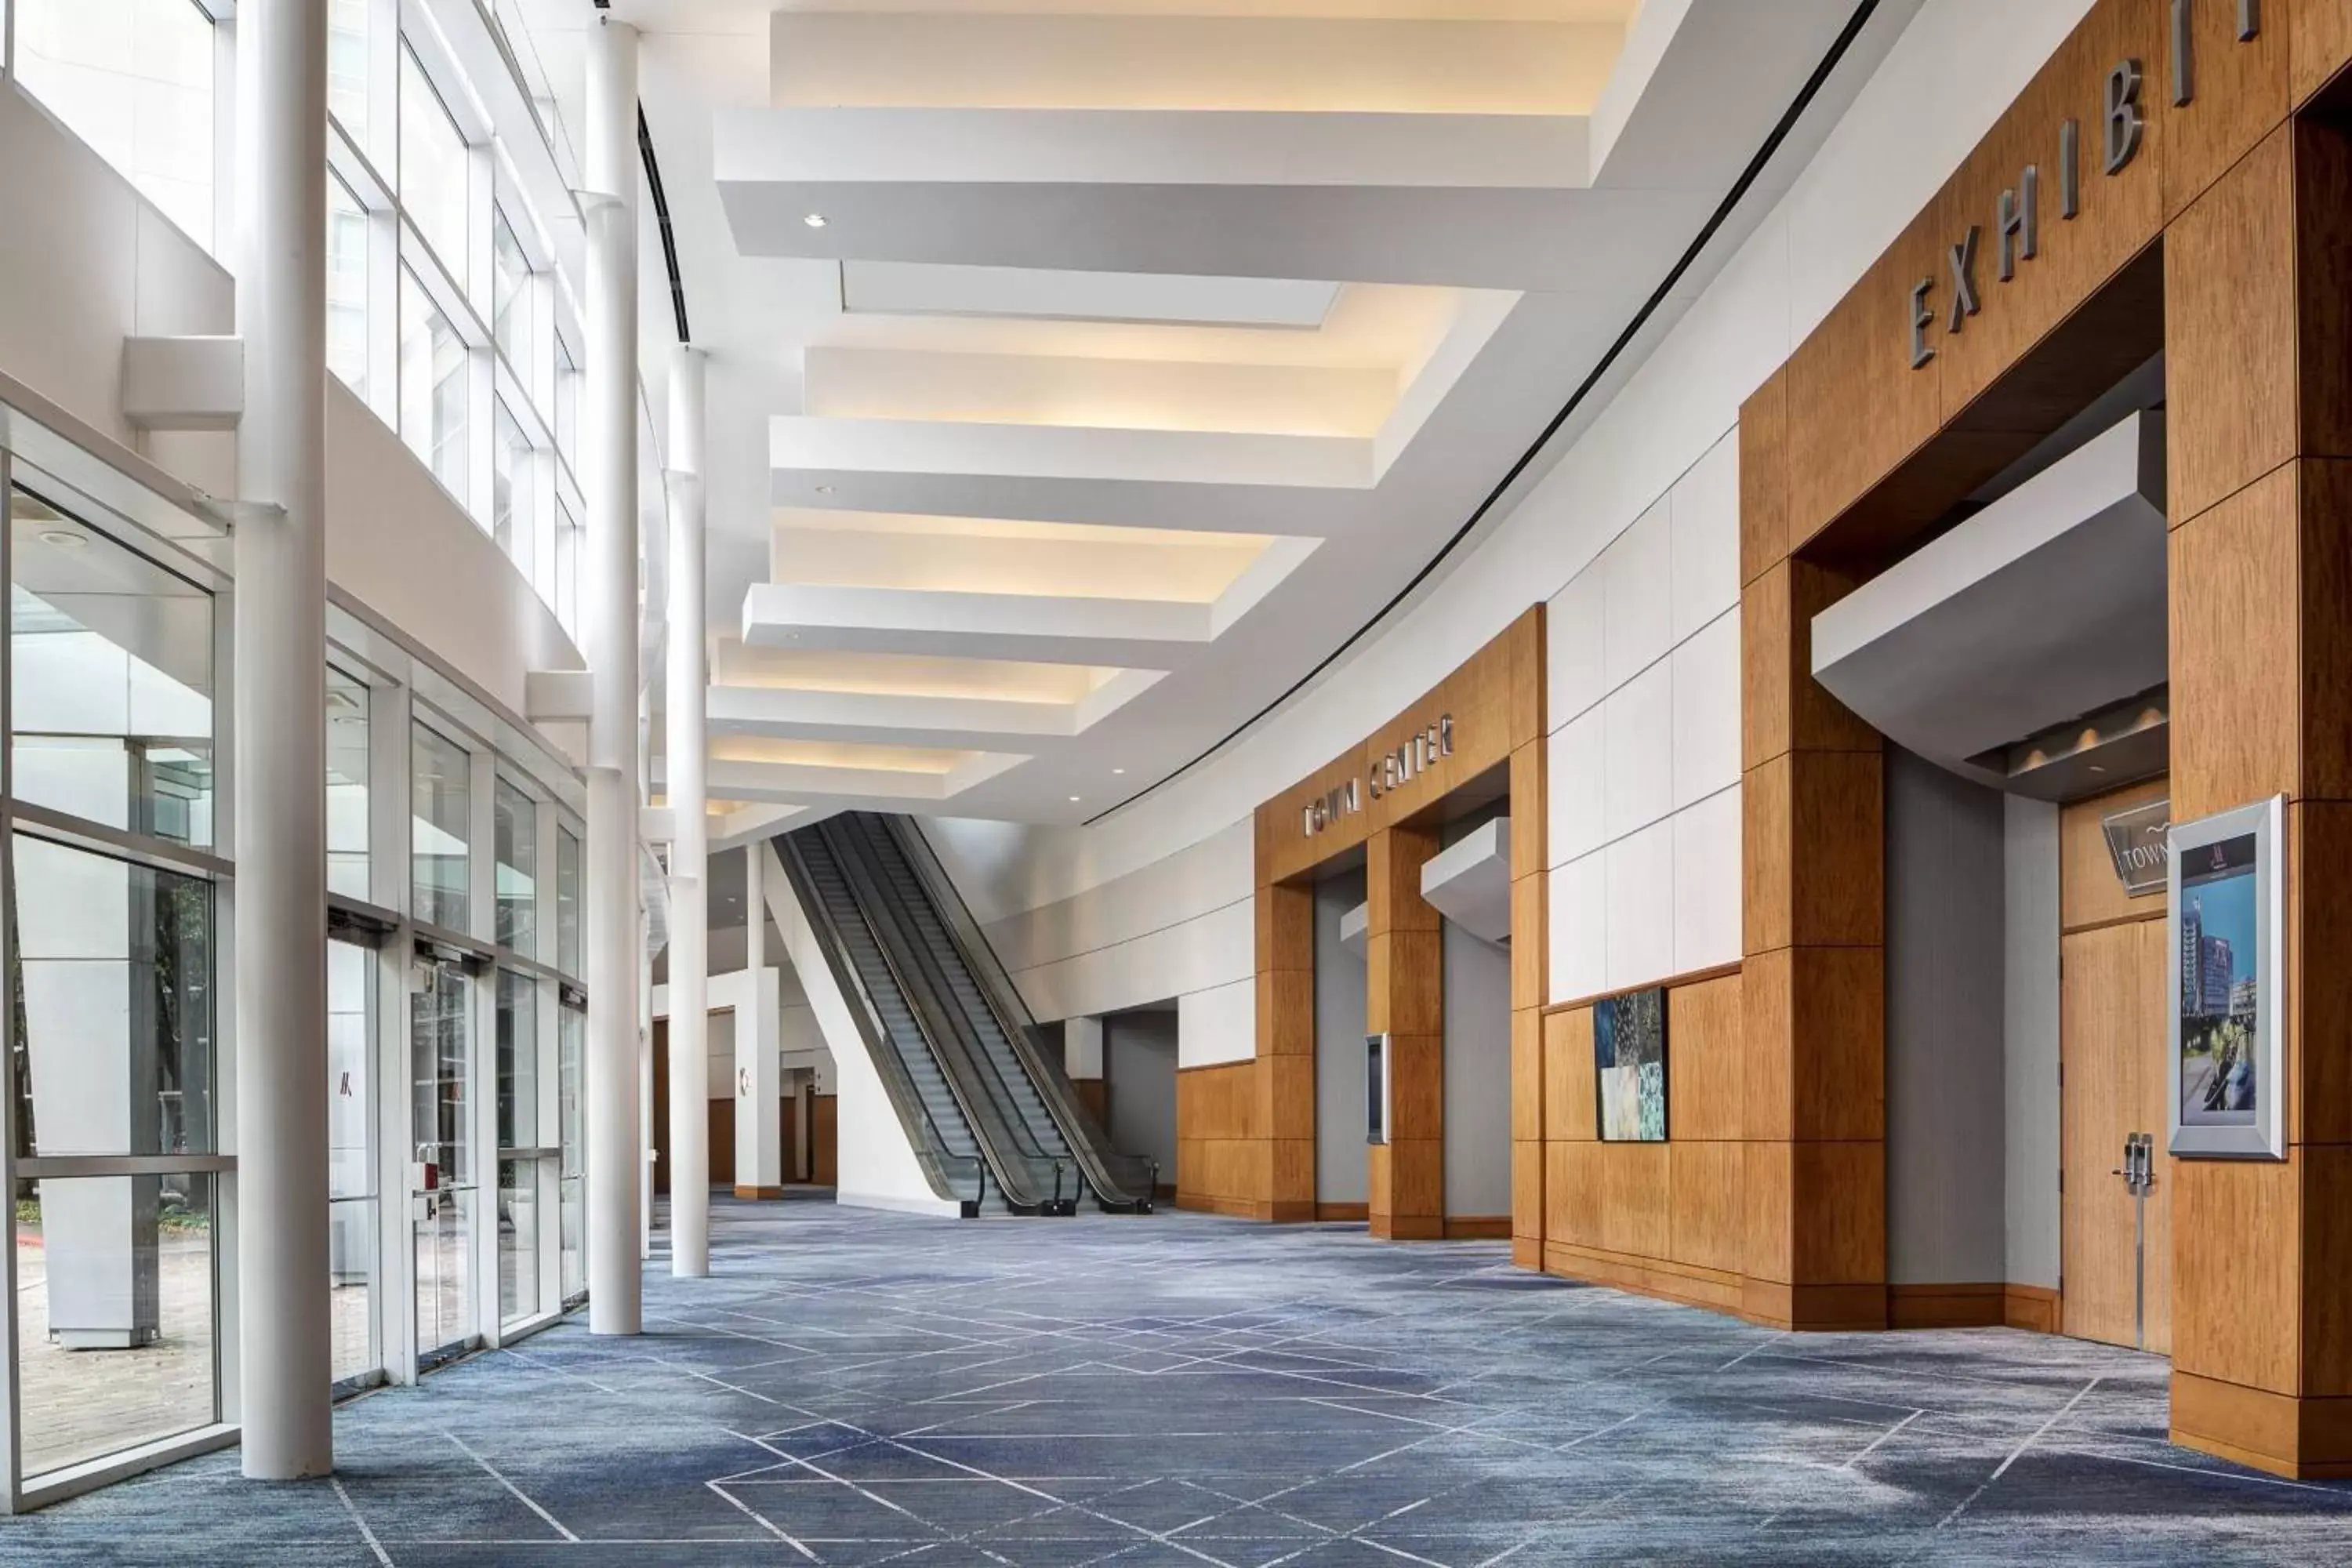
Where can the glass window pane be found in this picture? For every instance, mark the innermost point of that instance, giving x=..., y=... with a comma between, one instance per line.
x=440, y=832
x=515, y=819
x=111, y=670
x=347, y=785
x=347, y=287
x=432, y=386
x=567, y=900
x=133, y=78
x=351, y=1285
x=112, y=976
x=432, y=167
x=510, y=300
x=347, y=67
x=440, y=1054
x=567, y=405
x=518, y=1063
x=351, y=1169
x=115, y=1301
x=572, y=1033
x=513, y=493
x=567, y=571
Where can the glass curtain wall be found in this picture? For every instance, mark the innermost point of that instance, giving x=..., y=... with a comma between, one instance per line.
x=451, y=315
x=113, y=954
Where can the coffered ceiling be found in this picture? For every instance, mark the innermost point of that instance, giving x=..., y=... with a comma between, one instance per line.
x=1084, y=371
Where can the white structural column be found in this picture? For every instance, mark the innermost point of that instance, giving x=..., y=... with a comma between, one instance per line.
x=684, y=709
x=284, y=1333
x=609, y=611
x=758, y=1071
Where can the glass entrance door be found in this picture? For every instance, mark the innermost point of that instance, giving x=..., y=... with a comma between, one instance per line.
x=441, y=1168
x=350, y=1160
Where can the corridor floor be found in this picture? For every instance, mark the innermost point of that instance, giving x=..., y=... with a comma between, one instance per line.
x=862, y=1389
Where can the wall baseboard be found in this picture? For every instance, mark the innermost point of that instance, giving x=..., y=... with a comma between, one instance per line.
x=1343, y=1213
x=760, y=1194
x=1478, y=1227
x=2036, y=1308
x=1939, y=1306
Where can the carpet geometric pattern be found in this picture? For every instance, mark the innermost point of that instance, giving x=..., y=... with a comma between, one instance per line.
x=858, y=1389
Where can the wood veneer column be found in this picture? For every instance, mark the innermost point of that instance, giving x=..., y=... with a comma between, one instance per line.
x=1814, y=862
x=1530, y=944
x=2258, y=300
x=1405, y=959
x=1284, y=1118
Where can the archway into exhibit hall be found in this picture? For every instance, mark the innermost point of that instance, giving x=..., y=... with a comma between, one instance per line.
x=1400, y=945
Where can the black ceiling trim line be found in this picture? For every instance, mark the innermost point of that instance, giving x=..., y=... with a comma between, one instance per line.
x=1721, y=216
x=661, y=216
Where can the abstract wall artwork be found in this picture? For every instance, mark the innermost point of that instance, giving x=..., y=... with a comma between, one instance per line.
x=1629, y=1059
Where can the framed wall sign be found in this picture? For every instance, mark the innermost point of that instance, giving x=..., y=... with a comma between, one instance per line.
x=2226, y=1078
x=1629, y=1065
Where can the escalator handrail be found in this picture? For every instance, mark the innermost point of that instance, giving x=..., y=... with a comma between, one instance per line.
x=1020, y=1185
x=949, y=1014
x=931, y=1150
x=1087, y=1140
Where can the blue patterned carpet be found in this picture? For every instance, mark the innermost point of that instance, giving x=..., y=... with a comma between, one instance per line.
x=1177, y=1390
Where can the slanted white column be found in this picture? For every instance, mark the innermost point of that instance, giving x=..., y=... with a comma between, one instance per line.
x=685, y=709
x=284, y=1330
x=609, y=617
x=1082, y=1048
x=759, y=1066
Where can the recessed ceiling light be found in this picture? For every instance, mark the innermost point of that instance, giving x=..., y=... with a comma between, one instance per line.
x=824, y=489
x=1118, y=770
x=814, y=220
x=1074, y=800
x=64, y=538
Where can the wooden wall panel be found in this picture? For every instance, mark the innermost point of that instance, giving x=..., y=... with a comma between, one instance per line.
x=2320, y=43
x=2230, y=332
x=1220, y=1155
x=2235, y=687
x=2319, y=971
x=1704, y=1034
x=2120, y=213
x=1856, y=407
x=1569, y=1115
x=2242, y=91
x=824, y=1140
x=1704, y=1218
x=1764, y=478
x=2089, y=891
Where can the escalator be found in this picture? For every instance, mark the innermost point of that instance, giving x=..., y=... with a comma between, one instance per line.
x=1043, y=1150
x=927, y=1106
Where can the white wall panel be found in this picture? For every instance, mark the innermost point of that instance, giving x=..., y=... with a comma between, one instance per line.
x=1706, y=710
x=1576, y=778
x=1219, y=1025
x=1641, y=907
x=1705, y=505
x=1638, y=737
x=1576, y=671
x=1707, y=883
x=1637, y=606
x=1580, y=917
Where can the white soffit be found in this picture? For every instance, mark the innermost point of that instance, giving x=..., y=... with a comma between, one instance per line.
x=1356, y=928
x=2047, y=606
x=916, y=288
x=1469, y=881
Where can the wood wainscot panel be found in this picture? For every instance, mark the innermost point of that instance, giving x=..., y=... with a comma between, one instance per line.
x=1704, y=1216
x=1978, y=1306
x=1569, y=1114
x=824, y=1140
x=2037, y=1308
x=1705, y=1041
x=2236, y=696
